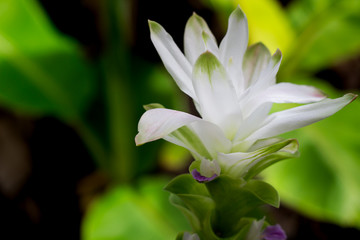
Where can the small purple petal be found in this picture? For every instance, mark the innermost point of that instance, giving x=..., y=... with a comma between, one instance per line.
x=200, y=178
x=274, y=233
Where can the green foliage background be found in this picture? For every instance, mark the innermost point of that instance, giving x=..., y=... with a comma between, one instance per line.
x=43, y=72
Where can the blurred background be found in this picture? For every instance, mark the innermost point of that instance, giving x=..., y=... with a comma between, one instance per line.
x=74, y=75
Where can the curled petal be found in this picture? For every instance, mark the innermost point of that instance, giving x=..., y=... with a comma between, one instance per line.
x=174, y=60
x=159, y=122
x=287, y=120
x=202, y=138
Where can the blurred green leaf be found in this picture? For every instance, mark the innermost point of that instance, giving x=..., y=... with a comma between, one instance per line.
x=127, y=213
x=41, y=71
x=324, y=183
x=193, y=199
x=328, y=32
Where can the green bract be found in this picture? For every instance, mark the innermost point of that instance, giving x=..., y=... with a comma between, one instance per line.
x=222, y=208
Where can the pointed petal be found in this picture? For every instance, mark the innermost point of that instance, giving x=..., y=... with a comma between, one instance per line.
x=216, y=95
x=174, y=60
x=233, y=47
x=284, y=93
x=292, y=93
x=287, y=120
x=197, y=38
x=159, y=122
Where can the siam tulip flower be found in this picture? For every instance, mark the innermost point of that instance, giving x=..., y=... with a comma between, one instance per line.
x=233, y=88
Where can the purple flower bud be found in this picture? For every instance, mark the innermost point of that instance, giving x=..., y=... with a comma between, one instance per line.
x=200, y=178
x=274, y=233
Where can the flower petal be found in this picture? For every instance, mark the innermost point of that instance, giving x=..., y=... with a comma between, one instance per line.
x=159, y=122
x=233, y=47
x=198, y=38
x=216, y=96
x=292, y=93
x=202, y=138
x=252, y=122
x=267, y=77
x=256, y=60
x=287, y=120
x=174, y=60
x=210, y=44
x=284, y=93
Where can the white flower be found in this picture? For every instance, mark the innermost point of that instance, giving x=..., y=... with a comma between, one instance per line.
x=233, y=88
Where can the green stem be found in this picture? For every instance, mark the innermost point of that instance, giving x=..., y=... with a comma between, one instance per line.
x=117, y=91
x=119, y=122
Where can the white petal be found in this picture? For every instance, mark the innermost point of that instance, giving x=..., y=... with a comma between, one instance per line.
x=287, y=120
x=210, y=44
x=284, y=93
x=209, y=167
x=233, y=47
x=198, y=38
x=174, y=60
x=252, y=122
x=215, y=92
x=292, y=93
x=211, y=136
x=267, y=77
x=256, y=60
x=202, y=138
x=159, y=122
